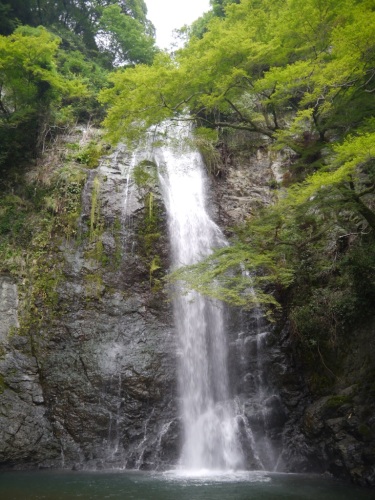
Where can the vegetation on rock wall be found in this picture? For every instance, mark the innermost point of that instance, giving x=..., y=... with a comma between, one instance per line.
x=54, y=59
x=146, y=178
x=41, y=213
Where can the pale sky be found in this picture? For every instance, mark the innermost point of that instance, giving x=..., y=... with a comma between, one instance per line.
x=167, y=15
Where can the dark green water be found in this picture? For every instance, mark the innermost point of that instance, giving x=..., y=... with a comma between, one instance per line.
x=170, y=486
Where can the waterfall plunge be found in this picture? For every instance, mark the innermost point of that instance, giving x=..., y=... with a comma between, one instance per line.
x=207, y=411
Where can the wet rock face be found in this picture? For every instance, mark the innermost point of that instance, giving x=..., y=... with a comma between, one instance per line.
x=272, y=393
x=341, y=423
x=247, y=185
x=271, y=396
x=26, y=432
x=95, y=385
x=331, y=434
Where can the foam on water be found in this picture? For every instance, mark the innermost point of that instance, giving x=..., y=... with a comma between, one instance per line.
x=207, y=476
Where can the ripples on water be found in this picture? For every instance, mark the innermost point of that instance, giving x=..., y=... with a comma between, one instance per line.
x=174, y=485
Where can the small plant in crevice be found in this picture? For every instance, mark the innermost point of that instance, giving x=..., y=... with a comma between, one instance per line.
x=149, y=228
x=206, y=141
x=95, y=209
x=94, y=286
x=88, y=154
x=145, y=174
x=154, y=266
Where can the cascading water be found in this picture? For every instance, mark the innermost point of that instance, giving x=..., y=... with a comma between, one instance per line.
x=210, y=426
x=226, y=426
x=259, y=408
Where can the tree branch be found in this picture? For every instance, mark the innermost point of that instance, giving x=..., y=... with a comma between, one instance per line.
x=234, y=107
x=249, y=128
x=185, y=101
x=369, y=190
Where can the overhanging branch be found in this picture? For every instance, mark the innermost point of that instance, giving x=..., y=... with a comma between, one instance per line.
x=240, y=126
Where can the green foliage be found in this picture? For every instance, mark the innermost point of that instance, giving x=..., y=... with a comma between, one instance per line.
x=126, y=38
x=88, y=154
x=337, y=401
x=96, y=226
x=80, y=23
x=149, y=230
x=53, y=66
x=233, y=273
x=42, y=212
x=145, y=174
x=74, y=65
x=94, y=286
x=205, y=140
x=154, y=266
x=7, y=24
x=298, y=72
x=12, y=216
x=31, y=89
x=95, y=210
x=128, y=118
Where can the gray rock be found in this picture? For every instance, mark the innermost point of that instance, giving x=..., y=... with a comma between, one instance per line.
x=95, y=385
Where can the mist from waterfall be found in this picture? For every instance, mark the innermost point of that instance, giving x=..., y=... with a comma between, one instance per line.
x=207, y=410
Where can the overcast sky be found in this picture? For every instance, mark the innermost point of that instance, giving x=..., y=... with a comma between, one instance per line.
x=167, y=15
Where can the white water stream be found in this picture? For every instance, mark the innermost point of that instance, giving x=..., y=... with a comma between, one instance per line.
x=210, y=426
x=222, y=432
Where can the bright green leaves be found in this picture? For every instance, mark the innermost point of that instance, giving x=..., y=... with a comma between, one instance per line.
x=31, y=88
x=125, y=37
x=231, y=273
x=105, y=31
x=357, y=151
x=138, y=98
x=340, y=185
x=25, y=62
x=265, y=59
x=28, y=70
x=329, y=76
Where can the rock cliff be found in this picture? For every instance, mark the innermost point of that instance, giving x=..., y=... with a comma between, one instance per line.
x=88, y=349
x=324, y=421
x=93, y=382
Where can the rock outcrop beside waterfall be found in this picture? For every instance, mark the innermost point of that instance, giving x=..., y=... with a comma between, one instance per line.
x=272, y=392
x=329, y=430
x=94, y=384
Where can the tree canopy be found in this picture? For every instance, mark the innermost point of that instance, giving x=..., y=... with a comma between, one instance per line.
x=99, y=27
x=54, y=58
x=252, y=67
x=31, y=88
x=300, y=76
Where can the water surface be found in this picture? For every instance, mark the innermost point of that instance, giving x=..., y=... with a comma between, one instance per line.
x=128, y=485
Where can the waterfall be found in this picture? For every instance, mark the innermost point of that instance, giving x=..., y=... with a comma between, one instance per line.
x=207, y=410
x=226, y=426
